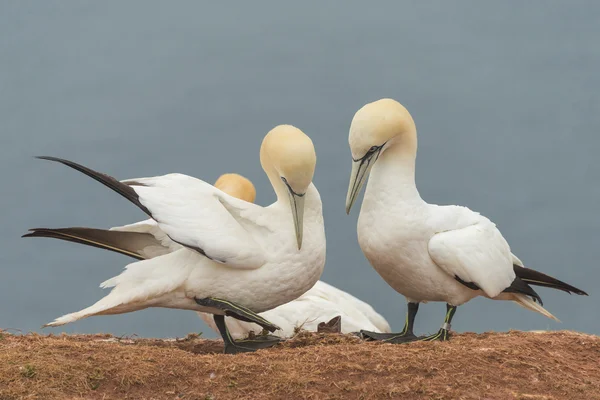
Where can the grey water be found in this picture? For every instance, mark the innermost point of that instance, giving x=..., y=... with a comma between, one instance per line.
x=506, y=97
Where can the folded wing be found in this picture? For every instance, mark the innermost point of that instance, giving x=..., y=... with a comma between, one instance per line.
x=476, y=255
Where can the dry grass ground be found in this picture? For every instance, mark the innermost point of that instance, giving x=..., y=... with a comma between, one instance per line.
x=514, y=365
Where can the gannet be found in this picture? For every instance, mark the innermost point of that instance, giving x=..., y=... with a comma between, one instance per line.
x=320, y=304
x=427, y=252
x=237, y=258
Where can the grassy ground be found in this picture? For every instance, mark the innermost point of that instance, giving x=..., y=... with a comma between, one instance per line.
x=514, y=365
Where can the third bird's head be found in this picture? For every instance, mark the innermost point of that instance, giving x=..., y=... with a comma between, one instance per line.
x=237, y=186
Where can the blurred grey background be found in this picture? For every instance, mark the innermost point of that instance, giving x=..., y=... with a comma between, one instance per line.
x=506, y=97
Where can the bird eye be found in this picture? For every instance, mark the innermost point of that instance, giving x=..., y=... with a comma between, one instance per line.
x=373, y=148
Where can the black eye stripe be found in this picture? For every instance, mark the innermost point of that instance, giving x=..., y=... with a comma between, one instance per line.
x=367, y=154
x=370, y=152
x=290, y=188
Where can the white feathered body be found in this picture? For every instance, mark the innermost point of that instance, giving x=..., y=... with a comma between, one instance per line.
x=256, y=262
x=419, y=248
x=425, y=252
x=319, y=304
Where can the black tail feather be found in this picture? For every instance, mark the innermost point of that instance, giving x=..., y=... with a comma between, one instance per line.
x=107, y=180
x=124, y=189
x=536, y=278
x=520, y=286
x=125, y=243
x=517, y=286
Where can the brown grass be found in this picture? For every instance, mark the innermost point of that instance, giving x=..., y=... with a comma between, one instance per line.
x=514, y=365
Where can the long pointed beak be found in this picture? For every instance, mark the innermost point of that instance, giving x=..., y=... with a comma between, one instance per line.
x=297, y=204
x=358, y=176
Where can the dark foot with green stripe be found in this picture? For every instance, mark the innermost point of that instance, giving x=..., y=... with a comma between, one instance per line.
x=406, y=335
x=442, y=335
x=245, y=346
x=242, y=346
x=368, y=335
x=387, y=337
x=238, y=312
x=401, y=339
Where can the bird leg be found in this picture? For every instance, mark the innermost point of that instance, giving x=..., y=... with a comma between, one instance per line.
x=242, y=346
x=243, y=314
x=405, y=335
x=237, y=311
x=444, y=333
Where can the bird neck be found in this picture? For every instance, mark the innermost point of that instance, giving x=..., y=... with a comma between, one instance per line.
x=313, y=199
x=279, y=187
x=394, y=174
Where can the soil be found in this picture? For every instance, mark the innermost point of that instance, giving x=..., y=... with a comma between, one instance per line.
x=513, y=365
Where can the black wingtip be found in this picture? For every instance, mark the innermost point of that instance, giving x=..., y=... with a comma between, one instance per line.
x=49, y=158
x=580, y=292
x=121, y=188
x=36, y=232
x=537, y=278
x=30, y=233
x=574, y=290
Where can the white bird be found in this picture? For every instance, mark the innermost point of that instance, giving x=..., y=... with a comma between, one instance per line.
x=424, y=251
x=322, y=303
x=318, y=305
x=238, y=258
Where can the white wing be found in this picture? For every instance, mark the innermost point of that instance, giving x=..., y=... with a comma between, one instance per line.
x=477, y=253
x=350, y=305
x=161, y=244
x=193, y=213
x=199, y=216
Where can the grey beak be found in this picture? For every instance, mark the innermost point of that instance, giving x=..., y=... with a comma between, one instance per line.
x=360, y=170
x=297, y=205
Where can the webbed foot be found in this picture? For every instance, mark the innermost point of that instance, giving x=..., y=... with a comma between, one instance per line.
x=250, y=345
